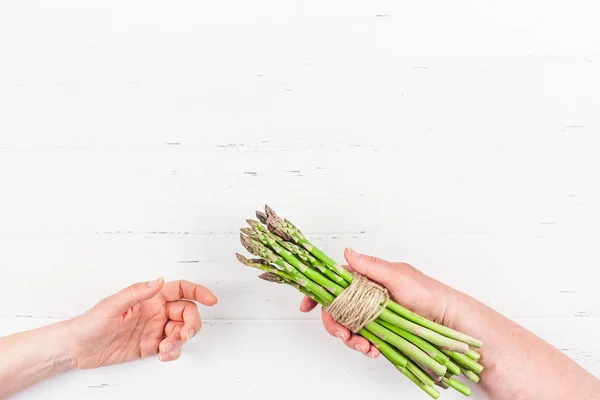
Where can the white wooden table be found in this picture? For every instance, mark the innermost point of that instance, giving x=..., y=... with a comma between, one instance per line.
x=136, y=136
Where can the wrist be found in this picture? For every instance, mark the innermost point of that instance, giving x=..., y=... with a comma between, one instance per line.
x=61, y=357
x=456, y=312
x=466, y=314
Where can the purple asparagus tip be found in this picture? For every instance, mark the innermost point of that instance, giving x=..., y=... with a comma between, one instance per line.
x=262, y=217
x=271, y=277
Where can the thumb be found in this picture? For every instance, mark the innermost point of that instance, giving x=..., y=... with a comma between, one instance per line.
x=373, y=268
x=134, y=294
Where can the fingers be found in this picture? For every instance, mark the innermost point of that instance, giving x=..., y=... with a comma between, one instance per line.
x=171, y=353
x=362, y=345
x=374, y=352
x=173, y=328
x=372, y=267
x=355, y=342
x=333, y=327
x=186, y=312
x=178, y=290
x=170, y=348
x=348, y=268
x=173, y=338
x=307, y=304
x=134, y=294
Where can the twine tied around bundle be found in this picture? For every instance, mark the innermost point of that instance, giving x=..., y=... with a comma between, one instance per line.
x=359, y=304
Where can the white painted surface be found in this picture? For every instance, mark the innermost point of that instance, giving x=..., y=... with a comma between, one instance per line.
x=136, y=136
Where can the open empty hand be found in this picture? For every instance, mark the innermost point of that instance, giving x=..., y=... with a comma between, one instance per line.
x=142, y=320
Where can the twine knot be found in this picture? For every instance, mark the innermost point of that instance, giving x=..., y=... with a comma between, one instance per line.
x=359, y=304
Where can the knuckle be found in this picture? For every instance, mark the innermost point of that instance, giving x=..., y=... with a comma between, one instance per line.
x=404, y=266
x=193, y=307
x=370, y=260
x=131, y=292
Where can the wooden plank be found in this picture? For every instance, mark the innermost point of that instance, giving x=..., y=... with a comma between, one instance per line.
x=520, y=275
x=135, y=138
x=206, y=73
x=267, y=359
x=373, y=190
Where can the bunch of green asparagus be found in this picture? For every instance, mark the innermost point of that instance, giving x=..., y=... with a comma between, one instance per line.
x=429, y=354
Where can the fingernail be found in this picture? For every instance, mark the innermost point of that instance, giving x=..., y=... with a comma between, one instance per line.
x=363, y=349
x=190, y=334
x=164, y=357
x=371, y=354
x=167, y=347
x=352, y=252
x=358, y=347
x=339, y=335
x=155, y=282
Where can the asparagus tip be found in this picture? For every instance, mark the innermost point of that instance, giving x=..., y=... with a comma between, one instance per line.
x=274, y=225
x=253, y=223
x=260, y=261
x=271, y=277
x=253, y=262
x=241, y=258
x=245, y=261
x=245, y=242
x=262, y=217
x=270, y=212
x=247, y=231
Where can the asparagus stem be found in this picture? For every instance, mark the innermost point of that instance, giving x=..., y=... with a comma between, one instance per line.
x=441, y=329
x=427, y=334
x=422, y=344
x=464, y=361
x=287, y=230
x=308, y=293
x=458, y=385
x=324, y=258
x=472, y=376
x=424, y=374
x=427, y=389
x=428, y=372
x=406, y=347
x=418, y=372
x=452, y=368
x=473, y=355
x=442, y=384
x=307, y=258
x=388, y=351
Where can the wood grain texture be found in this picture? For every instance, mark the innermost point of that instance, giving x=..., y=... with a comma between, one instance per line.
x=544, y=274
x=233, y=358
x=135, y=138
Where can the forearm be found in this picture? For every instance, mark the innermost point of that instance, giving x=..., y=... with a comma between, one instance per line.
x=518, y=364
x=30, y=357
